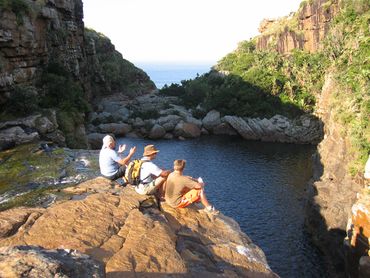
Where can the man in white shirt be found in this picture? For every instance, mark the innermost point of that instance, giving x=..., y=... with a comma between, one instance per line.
x=152, y=178
x=112, y=166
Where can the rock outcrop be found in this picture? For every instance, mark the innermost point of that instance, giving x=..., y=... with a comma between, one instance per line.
x=132, y=237
x=29, y=129
x=31, y=261
x=333, y=190
x=161, y=118
x=45, y=42
x=304, y=29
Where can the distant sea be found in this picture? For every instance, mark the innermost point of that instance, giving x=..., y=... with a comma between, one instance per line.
x=162, y=74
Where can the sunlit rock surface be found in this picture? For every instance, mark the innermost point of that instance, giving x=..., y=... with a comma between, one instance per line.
x=131, y=236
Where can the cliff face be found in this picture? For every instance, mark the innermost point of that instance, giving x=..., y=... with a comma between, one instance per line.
x=28, y=42
x=48, y=60
x=333, y=190
x=304, y=29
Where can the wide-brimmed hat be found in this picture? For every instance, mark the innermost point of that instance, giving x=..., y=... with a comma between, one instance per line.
x=107, y=140
x=149, y=150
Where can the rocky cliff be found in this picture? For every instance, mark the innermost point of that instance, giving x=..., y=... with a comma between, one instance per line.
x=48, y=60
x=131, y=236
x=304, y=29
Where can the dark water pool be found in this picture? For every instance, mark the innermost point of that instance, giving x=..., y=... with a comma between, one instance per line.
x=260, y=185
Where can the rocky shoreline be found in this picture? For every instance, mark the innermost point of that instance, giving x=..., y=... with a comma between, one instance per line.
x=132, y=235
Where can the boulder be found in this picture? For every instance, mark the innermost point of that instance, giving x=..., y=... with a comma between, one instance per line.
x=241, y=126
x=224, y=129
x=123, y=114
x=32, y=261
x=116, y=129
x=169, y=122
x=187, y=130
x=192, y=120
x=16, y=136
x=157, y=132
x=211, y=120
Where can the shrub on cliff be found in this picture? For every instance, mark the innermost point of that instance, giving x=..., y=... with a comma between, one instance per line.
x=19, y=7
x=59, y=90
x=348, y=46
x=23, y=101
x=119, y=74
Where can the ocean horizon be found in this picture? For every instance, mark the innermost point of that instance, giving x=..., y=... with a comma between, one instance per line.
x=168, y=73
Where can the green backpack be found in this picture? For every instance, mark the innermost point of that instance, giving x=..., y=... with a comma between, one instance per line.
x=132, y=173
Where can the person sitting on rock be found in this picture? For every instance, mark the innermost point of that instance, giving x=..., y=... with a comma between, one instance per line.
x=181, y=191
x=152, y=178
x=112, y=166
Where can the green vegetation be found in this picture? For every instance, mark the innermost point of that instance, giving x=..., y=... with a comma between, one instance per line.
x=348, y=46
x=255, y=83
x=119, y=74
x=19, y=7
x=248, y=82
x=24, y=101
x=61, y=91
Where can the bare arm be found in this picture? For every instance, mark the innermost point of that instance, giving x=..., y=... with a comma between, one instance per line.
x=125, y=160
x=165, y=173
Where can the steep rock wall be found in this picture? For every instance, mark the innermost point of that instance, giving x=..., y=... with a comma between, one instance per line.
x=304, y=29
x=42, y=42
x=333, y=190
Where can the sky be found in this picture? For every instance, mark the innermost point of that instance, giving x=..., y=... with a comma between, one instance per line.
x=180, y=31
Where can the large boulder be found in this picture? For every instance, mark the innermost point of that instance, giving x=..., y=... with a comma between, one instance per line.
x=169, y=122
x=157, y=132
x=241, y=126
x=211, y=120
x=187, y=130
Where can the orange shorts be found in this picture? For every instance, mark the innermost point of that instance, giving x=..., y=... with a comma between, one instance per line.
x=190, y=197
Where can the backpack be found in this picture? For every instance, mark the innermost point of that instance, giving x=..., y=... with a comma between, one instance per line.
x=132, y=173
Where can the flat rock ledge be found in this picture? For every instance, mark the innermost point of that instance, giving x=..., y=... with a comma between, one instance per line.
x=132, y=235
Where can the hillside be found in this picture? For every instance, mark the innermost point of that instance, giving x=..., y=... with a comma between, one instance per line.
x=314, y=61
x=48, y=60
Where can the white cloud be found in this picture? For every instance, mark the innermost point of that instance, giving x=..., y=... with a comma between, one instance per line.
x=184, y=31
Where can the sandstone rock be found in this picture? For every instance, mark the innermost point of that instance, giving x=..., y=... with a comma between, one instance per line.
x=187, y=130
x=127, y=232
x=27, y=261
x=211, y=120
x=157, y=132
x=116, y=129
x=312, y=21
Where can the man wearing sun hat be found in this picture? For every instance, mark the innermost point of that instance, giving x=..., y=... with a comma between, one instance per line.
x=112, y=166
x=152, y=178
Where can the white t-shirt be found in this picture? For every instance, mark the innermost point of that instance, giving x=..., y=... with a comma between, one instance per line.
x=149, y=171
x=108, y=162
